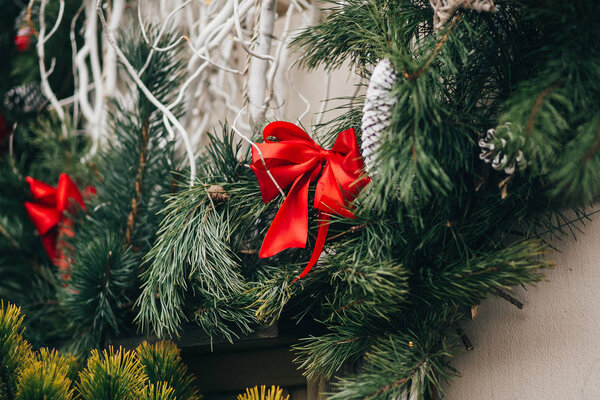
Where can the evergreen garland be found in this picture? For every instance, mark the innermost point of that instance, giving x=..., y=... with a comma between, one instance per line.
x=437, y=230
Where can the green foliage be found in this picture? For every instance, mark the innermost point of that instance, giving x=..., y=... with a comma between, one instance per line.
x=461, y=230
x=164, y=368
x=24, y=65
x=108, y=269
x=412, y=361
x=192, y=267
x=15, y=352
x=160, y=391
x=27, y=276
x=152, y=372
x=46, y=378
x=111, y=375
x=37, y=148
x=134, y=173
x=10, y=11
x=437, y=230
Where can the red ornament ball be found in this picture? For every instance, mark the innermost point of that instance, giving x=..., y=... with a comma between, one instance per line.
x=23, y=38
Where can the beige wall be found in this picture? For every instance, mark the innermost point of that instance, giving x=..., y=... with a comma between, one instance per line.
x=312, y=86
x=550, y=350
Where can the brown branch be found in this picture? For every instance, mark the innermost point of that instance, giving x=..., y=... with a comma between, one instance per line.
x=249, y=251
x=29, y=21
x=395, y=384
x=387, y=387
x=354, y=339
x=420, y=71
x=464, y=338
x=5, y=233
x=347, y=306
x=509, y=298
x=353, y=272
x=135, y=201
x=594, y=148
x=352, y=229
x=537, y=106
x=503, y=185
x=201, y=310
x=95, y=171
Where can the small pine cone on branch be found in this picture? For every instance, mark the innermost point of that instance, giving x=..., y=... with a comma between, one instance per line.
x=492, y=153
x=217, y=194
x=377, y=111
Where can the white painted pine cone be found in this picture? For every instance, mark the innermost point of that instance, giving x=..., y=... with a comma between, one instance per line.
x=377, y=111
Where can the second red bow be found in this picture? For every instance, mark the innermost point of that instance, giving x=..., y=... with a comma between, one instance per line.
x=295, y=159
x=47, y=212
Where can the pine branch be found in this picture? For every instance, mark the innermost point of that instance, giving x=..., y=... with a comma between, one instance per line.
x=138, y=183
x=593, y=149
x=509, y=298
x=537, y=106
x=415, y=75
x=136, y=170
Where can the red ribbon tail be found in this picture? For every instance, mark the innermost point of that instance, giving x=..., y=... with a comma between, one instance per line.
x=49, y=243
x=319, y=245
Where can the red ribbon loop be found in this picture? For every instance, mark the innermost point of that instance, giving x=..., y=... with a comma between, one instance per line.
x=47, y=212
x=295, y=161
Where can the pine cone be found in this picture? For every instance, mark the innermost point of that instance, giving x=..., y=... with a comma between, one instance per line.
x=377, y=111
x=217, y=194
x=491, y=153
x=25, y=99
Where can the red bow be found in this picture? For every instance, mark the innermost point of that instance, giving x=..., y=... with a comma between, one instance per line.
x=47, y=213
x=296, y=160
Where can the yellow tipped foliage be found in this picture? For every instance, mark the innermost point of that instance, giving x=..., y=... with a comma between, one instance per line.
x=162, y=363
x=152, y=372
x=274, y=393
x=46, y=378
x=15, y=352
x=160, y=391
x=112, y=375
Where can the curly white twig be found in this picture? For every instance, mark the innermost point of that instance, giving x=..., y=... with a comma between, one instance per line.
x=134, y=75
x=236, y=130
x=42, y=38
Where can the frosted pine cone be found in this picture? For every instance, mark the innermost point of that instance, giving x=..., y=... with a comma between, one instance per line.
x=377, y=112
x=491, y=152
x=25, y=99
x=444, y=9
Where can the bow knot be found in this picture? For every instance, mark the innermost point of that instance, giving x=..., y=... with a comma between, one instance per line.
x=295, y=160
x=324, y=155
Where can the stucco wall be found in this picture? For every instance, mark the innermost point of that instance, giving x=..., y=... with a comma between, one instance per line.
x=550, y=350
